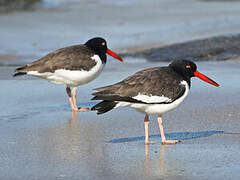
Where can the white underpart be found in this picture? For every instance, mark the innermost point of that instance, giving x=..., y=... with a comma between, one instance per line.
x=72, y=78
x=158, y=109
x=151, y=98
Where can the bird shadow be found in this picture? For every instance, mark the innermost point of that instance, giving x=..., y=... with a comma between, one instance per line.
x=177, y=135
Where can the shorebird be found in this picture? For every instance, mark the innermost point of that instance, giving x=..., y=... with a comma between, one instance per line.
x=155, y=90
x=71, y=66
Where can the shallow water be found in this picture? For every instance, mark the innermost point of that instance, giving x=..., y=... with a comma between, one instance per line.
x=26, y=36
x=57, y=3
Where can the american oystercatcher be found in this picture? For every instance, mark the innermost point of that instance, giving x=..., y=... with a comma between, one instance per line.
x=72, y=66
x=156, y=90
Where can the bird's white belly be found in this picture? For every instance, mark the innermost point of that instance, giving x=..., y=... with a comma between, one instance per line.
x=72, y=78
x=158, y=109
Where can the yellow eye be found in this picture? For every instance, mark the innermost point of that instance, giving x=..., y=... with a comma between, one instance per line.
x=188, y=66
x=103, y=43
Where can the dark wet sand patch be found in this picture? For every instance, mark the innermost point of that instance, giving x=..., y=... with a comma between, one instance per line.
x=211, y=49
x=8, y=6
x=14, y=60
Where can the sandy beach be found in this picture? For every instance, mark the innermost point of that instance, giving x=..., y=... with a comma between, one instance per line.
x=42, y=139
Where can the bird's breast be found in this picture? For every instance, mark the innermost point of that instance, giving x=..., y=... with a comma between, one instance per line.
x=79, y=77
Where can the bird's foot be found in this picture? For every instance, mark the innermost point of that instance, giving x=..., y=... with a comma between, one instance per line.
x=83, y=109
x=169, y=142
x=80, y=109
x=149, y=142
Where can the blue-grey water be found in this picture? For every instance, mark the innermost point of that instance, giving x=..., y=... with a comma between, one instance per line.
x=26, y=36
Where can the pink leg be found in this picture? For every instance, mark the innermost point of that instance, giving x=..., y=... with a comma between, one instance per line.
x=146, y=123
x=68, y=89
x=74, y=97
x=164, y=141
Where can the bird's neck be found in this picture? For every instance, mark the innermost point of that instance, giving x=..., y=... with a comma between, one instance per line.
x=102, y=56
x=188, y=81
x=183, y=76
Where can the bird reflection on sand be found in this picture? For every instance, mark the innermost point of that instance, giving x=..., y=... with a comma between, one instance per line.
x=73, y=120
x=71, y=142
x=161, y=160
x=66, y=140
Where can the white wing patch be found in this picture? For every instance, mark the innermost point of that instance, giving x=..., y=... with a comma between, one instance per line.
x=158, y=109
x=152, y=99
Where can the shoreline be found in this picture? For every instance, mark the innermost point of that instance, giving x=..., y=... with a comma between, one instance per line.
x=217, y=48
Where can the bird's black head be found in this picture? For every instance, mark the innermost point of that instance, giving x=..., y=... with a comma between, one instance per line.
x=185, y=68
x=188, y=69
x=99, y=46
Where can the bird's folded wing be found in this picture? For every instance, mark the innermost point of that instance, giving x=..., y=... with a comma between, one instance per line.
x=68, y=58
x=149, y=86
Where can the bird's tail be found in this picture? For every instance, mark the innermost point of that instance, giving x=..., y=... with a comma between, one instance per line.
x=19, y=72
x=104, y=106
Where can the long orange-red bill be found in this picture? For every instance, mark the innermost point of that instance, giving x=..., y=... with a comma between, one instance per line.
x=205, y=78
x=113, y=54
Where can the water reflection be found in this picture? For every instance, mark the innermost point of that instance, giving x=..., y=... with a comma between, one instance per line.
x=147, y=165
x=65, y=140
x=73, y=120
x=70, y=142
x=161, y=161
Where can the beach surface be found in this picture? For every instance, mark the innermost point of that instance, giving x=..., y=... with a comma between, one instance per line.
x=40, y=138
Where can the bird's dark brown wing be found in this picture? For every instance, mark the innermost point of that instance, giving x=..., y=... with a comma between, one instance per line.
x=69, y=58
x=158, y=81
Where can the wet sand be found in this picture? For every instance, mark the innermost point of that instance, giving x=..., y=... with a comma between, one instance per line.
x=42, y=139
x=218, y=48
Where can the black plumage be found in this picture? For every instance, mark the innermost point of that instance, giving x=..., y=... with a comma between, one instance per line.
x=157, y=81
x=104, y=106
x=69, y=58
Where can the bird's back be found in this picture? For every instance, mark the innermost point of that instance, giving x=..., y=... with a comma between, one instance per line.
x=157, y=81
x=68, y=58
